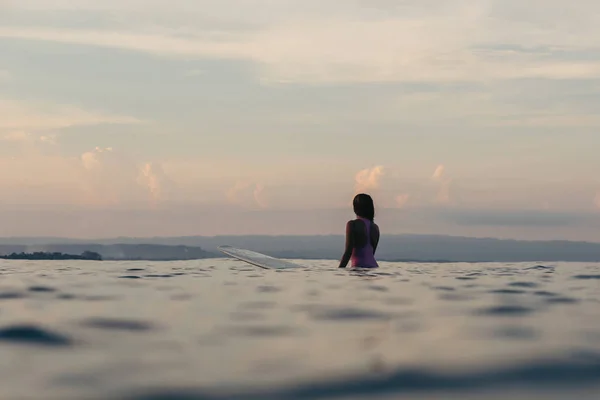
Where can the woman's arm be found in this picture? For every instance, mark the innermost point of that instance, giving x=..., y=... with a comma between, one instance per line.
x=375, y=237
x=349, y=246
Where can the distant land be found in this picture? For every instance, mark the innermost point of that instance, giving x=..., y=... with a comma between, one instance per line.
x=415, y=248
x=150, y=252
x=40, y=255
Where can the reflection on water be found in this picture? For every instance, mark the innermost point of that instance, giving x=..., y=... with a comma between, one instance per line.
x=220, y=329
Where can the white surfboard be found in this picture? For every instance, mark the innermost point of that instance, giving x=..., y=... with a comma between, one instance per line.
x=258, y=259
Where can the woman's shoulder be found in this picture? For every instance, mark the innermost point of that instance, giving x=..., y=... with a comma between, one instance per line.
x=361, y=221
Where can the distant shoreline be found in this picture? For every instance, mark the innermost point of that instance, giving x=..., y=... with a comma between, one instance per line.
x=393, y=248
x=40, y=255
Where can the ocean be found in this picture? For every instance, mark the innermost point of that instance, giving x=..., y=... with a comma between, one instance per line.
x=221, y=329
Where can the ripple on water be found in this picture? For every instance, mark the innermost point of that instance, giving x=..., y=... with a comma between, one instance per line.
x=70, y=296
x=346, y=314
x=546, y=375
x=261, y=330
x=508, y=291
x=398, y=301
x=562, y=300
x=130, y=277
x=378, y=288
x=99, y=298
x=12, y=295
x=258, y=305
x=135, y=269
x=46, y=289
x=544, y=293
x=33, y=335
x=586, y=277
x=118, y=324
x=181, y=297
x=444, y=288
x=505, y=310
x=516, y=333
x=246, y=316
x=524, y=284
x=539, y=268
x=455, y=297
x=268, y=289
x=66, y=296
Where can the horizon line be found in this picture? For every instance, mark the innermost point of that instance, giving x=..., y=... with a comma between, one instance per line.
x=99, y=239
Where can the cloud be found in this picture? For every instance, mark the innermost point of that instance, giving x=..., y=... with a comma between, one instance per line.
x=443, y=192
x=260, y=196
x=438, y=174
x=461, y=41
x=160, y=186
x=38, y=117
x=402, y=200
x=103, y=177
x=17, y=137
x=248, y=194
x=368, y=179
x=28, y=139
x=526, y=104
x=110, y=177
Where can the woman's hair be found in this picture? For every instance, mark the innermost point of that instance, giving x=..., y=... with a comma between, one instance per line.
x=363, y=206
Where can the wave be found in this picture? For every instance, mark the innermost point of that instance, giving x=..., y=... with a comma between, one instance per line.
x=573, y=372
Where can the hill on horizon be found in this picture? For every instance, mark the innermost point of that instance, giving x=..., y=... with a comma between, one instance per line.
x=392, y=247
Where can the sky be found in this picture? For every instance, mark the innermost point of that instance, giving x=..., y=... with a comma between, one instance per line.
x=183, y=117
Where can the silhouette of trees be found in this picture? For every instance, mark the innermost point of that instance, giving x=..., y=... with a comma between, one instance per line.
x=40, y=255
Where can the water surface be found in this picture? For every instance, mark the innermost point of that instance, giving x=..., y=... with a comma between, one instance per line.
x=221, y=329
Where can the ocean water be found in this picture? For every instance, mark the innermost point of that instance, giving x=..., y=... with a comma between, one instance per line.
x=221, y=329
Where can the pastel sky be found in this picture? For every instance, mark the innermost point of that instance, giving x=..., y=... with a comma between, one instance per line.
x=182, y=117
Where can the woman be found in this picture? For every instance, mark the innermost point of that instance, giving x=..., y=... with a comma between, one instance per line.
x=362, y=235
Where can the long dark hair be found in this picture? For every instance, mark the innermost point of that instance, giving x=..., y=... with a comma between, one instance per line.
x=363, y=206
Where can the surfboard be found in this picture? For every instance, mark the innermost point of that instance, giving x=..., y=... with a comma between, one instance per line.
x=257, y=259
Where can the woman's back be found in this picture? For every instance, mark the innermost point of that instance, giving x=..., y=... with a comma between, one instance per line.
x=366, y=238
x=362, y=235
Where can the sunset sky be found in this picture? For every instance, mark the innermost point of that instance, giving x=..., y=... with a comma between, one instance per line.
x=182, y=117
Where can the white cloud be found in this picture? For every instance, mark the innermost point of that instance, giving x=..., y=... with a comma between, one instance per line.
x=110, y=177
x=159, y=184
x=443, y=192
x=100, y=177
x=368, y=179
x=438, y=174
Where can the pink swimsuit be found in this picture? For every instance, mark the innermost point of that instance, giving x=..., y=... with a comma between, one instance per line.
x=363, y=257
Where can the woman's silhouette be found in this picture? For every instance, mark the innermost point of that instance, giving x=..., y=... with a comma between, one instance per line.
x=362, y=235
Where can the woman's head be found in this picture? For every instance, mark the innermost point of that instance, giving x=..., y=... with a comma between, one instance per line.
x=363, y=206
